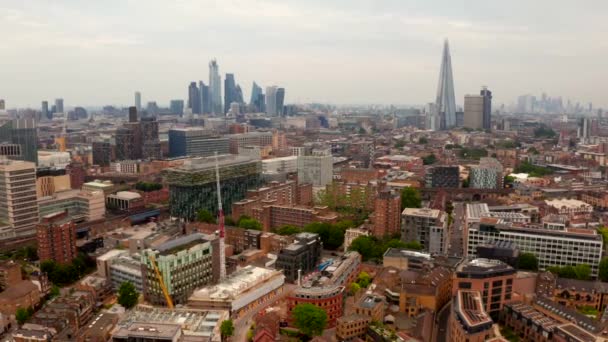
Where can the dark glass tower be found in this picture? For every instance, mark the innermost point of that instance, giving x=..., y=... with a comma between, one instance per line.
x=229, y=91
x=194, y=98
x=280, y=101
x=487, y=108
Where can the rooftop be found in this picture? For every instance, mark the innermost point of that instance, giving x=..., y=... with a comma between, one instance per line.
x=236, y=284
x=406, y=253
x=424, y=212
x=127, y=195
x=484, y=266
x=181, y=243
x=470, y=308
x=567, y=204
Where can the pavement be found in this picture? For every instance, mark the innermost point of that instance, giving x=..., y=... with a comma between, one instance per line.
x=456, y=244
x=242, y=324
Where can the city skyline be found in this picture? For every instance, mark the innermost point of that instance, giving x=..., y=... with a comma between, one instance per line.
x=490, y=45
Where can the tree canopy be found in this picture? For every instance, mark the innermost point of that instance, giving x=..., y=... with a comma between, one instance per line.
x=287, y=230
x=364, y=279
x=372, y=248
x=332, y=235
x=249, y=223
x=472, y=153
x=532, y=170
x=544, y=132
x=527, y=261
x=603, y=269
x=410, y=198
x=227, y=328
x=148, y=186
x=310, y=319
x=203, y=215
x=127, y=295
x=580, y=272
x=429, y=159
x=65, y=274
x=23, y=314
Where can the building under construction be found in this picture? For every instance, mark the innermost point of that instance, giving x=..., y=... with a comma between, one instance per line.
x=192, y=186
x=184, y=264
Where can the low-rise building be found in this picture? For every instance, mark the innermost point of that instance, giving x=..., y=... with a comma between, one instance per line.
x=23, y=294
x=371, y=306
x=126, y=268
x=240, y=292
x=329, y=298
x=300, y=257
x=125, y=201
x=469, y=322
x=351, y=327
x=10, y=274
x=405, y=259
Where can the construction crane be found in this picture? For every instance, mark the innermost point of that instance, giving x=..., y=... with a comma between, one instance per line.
x=220, y=221
x=161, y=282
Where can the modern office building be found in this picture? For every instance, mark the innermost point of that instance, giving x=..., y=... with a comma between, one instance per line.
x=59, y=106
x=176, y=107
x=301, y=257
x=280, y=165
x=492, y=278
x=51, y=180
x=102, y=153
x=126, y=268
x=196, y=142
x=240, y=292
x=239, y=140
x=446, y=101
x=215, y=88
x=387, y=214
x=271, y=100
x=45, y=112
x=150, y=140
x=192, y=186
x=137, y=103
x=257, y=98
x=487, y=175
x=427, y=226
x=22, y=133
x=568, y=247
x=56, y=235
x=230, y=92
x=487, y=108
x=443, y=177
x=316, y=168
x=18, y=205
x=473, y=111
x=280, y=101
x=205, y=97
x=328, y=298
x=469, y=321
x=185, y=264
x=194, y=98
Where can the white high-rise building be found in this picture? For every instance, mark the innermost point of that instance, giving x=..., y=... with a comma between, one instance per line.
x=138, y=100
x=271, y=100
x=316, y=168
x=473, y=111
x=18, y=203
x=446, y=101
x=215, y=88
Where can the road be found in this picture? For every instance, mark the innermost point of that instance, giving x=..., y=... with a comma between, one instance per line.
x=456, y=247
x=242, y=324
x=442, y=327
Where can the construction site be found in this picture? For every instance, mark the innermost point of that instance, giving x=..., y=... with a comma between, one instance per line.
x=192, y=186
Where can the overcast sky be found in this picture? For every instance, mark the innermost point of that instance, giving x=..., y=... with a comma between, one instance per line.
x=334, y=51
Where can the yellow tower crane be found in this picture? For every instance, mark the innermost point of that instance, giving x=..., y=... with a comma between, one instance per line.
x=161, y=282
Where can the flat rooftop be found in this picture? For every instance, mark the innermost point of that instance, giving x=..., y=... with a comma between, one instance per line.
x=470, y=308
x=422, y=212
x=406, y=253
x=236, y=284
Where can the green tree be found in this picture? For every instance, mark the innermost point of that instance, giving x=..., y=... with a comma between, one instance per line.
x=332, y=236
x=127, y=295
x=354, y=288
x=203, y=215
x=430, y=159
x=532, y=170
x=527, y=261
x=544, y=132
x=414, y=245
x=249, y=223
x=229, y=221
x=364, y=279
x=22, y=315
x=410, y=198
x=603, y=269
x=288, y=230
x=533, y=150
x=583, y=271
x=310, y=319
x=55, y=291
x=365, y=245
x=399, y=144
x=508, y=181
x=227, y=329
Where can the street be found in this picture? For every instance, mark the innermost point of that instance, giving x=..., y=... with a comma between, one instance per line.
x=442, y=323
x=456, y=242
x=241, y=325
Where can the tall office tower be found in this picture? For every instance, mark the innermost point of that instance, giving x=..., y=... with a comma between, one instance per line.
x=229, y=91
x=238, y=94
x=138, y=100
x=176, y=107
x=150, y=140
x=194, y=98
x=256, y=91
x=56, y=235
x=584, y=130
x=132, y=114
x=58, y=105
x=18, y=203
x=2, y=104
x=446, y=102
x=45, y=110
x=487, y=107
x=271, y=100
x=387, y=219
x=205, y=97
x=280, y=101
x=22, y=132
x=102, y=153
x=473, y=111
x=215, y=87
x=196, y=142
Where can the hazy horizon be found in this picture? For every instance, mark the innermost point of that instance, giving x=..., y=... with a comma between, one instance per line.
x=343, y=52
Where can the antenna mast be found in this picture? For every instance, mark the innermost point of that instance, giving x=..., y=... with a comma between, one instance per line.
x=220, y=221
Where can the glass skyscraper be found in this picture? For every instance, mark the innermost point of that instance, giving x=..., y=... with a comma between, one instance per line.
x=446, y=101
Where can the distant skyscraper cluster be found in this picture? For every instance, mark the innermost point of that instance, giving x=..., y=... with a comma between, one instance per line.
x=207, y=99
x=552, y=105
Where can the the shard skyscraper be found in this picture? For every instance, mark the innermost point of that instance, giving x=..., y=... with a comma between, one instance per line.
x=446, y=101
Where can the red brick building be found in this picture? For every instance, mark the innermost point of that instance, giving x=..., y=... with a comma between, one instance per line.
x=56, y=238
x=77, y=175
x=358, y=175
x=328, y=298
x=274, y=216
x=289, y=193
x=387, y=214
x=10, y=274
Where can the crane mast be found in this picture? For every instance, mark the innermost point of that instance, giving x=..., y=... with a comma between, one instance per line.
x=161, y=281
x=220, y=221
